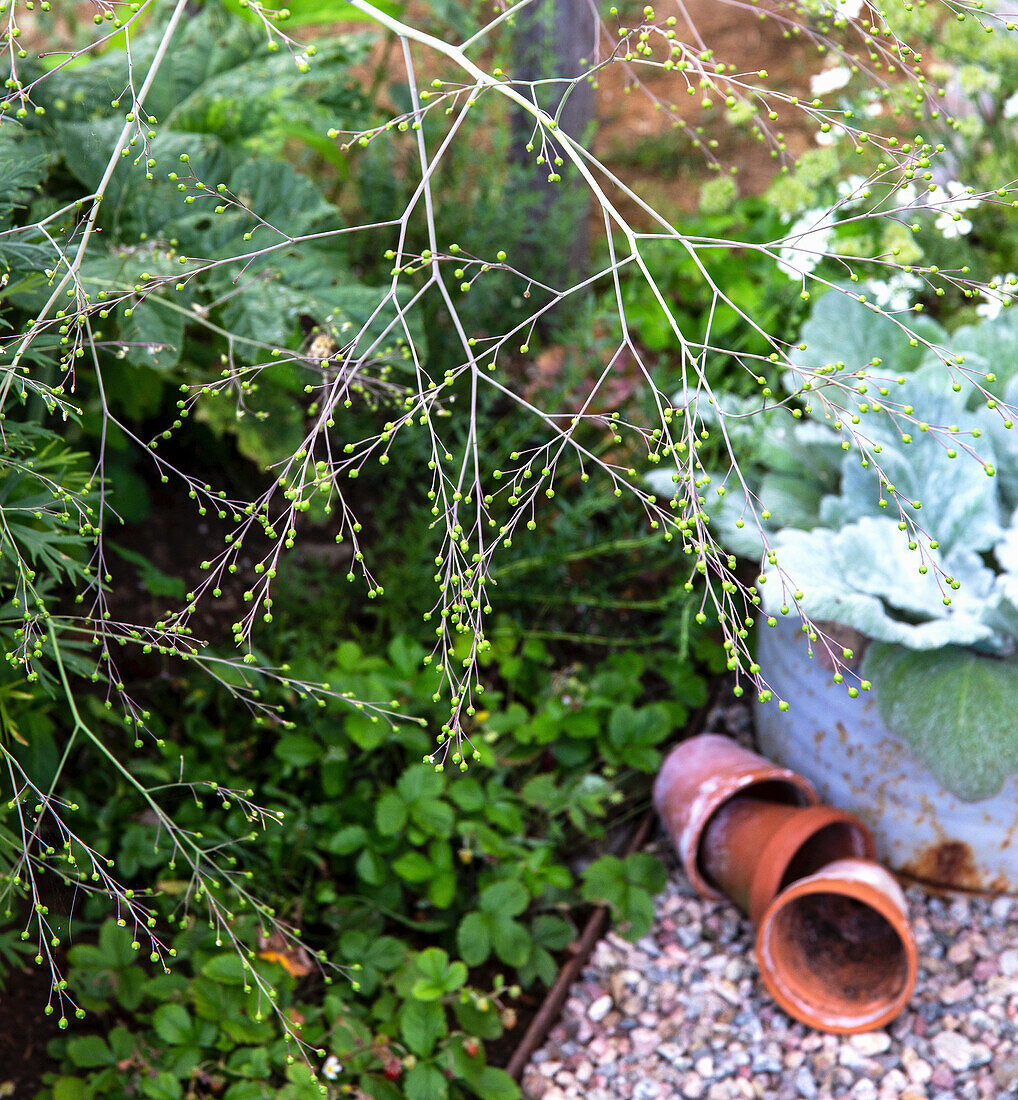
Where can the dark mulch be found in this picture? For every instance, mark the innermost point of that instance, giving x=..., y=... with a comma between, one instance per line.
x=24, y=1032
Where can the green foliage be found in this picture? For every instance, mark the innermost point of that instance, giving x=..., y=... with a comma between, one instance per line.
x=629, y=886
x=416, y=882
x=752, y=285
x=211, y=1025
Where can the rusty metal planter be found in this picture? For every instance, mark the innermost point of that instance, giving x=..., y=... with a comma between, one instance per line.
x=857, y=764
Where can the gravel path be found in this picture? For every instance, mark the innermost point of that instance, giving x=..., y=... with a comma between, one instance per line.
x=682, y=1013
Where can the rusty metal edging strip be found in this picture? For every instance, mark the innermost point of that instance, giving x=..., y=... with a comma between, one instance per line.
x=581, y=950
x=594, y=929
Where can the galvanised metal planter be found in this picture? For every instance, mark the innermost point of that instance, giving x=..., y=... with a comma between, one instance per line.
x=843, y=747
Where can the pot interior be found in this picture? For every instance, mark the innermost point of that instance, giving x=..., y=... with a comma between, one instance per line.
x=842, y=958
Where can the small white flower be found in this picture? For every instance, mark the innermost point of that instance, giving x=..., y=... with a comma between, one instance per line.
x=950, y=221
x=830, y=136
x=830, y=80
x=895, y=293
x=956, y=190
x=332, y=1068
x=852, y=189
x=952, y=225
x=1011, y=106
x=809, y=236
x=993, y=303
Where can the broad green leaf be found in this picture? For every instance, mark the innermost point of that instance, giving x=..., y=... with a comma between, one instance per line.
x=955, y=709
x=422, y=1024
x=115, y=945
x=228, y=969
x=433, y=815
x=425, y=1082
x=88, y=1051
x=510, y=940
x=485, y=1024
x=506, y=898
x=390, y=814
x=371, y=867
x=413, y=867
x=69, y=1088
x=473, y=939
x=161, y=1086
x=440, y=976
x=298, y=750
x=172, y=1023
x=349, y=839
x=552, y=932
x=245, y=1090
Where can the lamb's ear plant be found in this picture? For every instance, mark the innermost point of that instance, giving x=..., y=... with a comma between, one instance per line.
x=930, y=580
x=158, y=237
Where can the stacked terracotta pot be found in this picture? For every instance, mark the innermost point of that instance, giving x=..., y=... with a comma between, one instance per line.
x=834, y=943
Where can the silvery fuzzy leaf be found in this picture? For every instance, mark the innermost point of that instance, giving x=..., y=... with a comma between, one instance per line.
x=1002, y=613
x=1005, y=443
x=959, y=500
x=801, y=462
x=989, y=347
x=842, y=329
x=1006, y=551
x=864, y=576
x=955, y=709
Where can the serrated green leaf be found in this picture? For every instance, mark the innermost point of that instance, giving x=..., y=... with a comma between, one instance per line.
x=349, y=839
x=172, y=1024
x=69, y=1088
x=161, y=1086
x=390, y=814
x=227, y=969
x=509, y=939
x=413, y=867
x=298, y=750
x=505, y=898
x=473, y=939
x=89, y=1051
x=425, y=1082
x=422, y=1024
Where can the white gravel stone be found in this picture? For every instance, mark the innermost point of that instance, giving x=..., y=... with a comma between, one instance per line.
x=1009, y=963
x=693, y=1086
x=871, y=1042
x=599, y=1009
x=957, y=1051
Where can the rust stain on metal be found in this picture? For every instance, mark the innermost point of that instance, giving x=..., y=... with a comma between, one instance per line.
x=947, y=863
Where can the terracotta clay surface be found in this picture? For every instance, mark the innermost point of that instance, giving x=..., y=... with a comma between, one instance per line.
x=836, y=949
x=751, y=849
x=700, y=776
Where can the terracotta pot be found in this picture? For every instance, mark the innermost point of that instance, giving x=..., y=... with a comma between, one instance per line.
x=836, y=949
x=751, y=849
x=699, y=777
